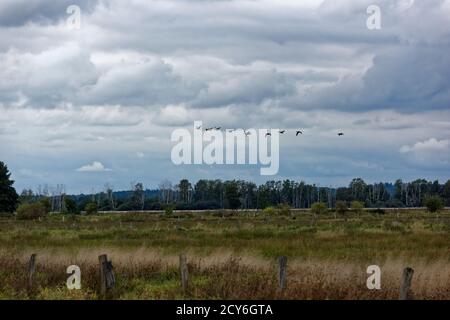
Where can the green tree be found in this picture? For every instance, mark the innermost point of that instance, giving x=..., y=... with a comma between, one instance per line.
x=446, y=193
x=138, y=197
x=358, y=189
x=9, y=199
x=71, y=205
x=185, y=187
x=232, y=194
x=434, y=204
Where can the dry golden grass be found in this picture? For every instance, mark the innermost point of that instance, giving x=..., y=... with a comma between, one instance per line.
x=231, y=257
x=146, y=274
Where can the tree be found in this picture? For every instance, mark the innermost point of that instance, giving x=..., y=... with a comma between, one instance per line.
x=434, y=204
x=185, y=188
x=138, y=197
x=9, y=199
x=357, y=207
x=27, y=196
x=71, y=205
x=232, y=194
x=358, y=188
x=446, y=193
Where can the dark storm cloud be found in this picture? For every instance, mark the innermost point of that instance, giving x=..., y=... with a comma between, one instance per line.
x=318, y=57
x=137, y=69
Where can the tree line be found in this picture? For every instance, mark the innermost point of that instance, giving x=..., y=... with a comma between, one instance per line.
x=218, y=194
x=239, y=194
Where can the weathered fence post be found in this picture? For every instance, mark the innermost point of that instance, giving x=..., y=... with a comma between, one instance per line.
x=406, y=284
x=184, y=273
x=282, y=265
x=31, y=270
x=107, y=279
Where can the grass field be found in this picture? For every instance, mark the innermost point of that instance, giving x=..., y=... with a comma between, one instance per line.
x=230, y=256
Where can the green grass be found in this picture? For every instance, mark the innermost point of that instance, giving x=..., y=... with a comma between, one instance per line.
x=413, y=234
x=412, y=237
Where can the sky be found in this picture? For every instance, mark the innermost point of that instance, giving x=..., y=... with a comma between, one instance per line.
x=97, y=104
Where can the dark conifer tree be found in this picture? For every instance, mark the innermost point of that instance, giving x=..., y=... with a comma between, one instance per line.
x=9, y=199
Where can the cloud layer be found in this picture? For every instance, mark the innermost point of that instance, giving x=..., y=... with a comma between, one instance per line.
x=136, y=70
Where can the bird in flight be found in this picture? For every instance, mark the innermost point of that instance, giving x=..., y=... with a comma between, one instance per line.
x=282, y=131
x=198, y=128
x=340, y=134
x=208, y=129
x=298, y=132
x=268, y=134
x=247, y=133
x=218, y=128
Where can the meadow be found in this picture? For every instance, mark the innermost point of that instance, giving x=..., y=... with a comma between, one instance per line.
x=231, y=255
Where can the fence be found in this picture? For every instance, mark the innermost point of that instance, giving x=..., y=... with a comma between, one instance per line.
x=107, y=277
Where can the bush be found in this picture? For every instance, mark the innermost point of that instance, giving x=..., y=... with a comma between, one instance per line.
x=31, y=211
x=357, y=206
x=91, y=208
x=169, y=209
x=270, y=211
x=319, y=208
x=341, y=207
x=434, y=204
x=45, y=202
x=284, y=209
x=377, y=211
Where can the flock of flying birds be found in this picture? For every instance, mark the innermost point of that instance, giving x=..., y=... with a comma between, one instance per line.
x=247, y=133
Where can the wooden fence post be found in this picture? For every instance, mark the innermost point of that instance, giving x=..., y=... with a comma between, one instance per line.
x=282, y=265
x=107, y=279
x=31, y=270
x=406, y=284
x=184, y=273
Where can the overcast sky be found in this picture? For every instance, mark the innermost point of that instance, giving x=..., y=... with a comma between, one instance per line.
x=97, y=105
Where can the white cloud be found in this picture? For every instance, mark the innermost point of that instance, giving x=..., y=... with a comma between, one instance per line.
x=430, y=153
x=429, y=145
x=95, y=166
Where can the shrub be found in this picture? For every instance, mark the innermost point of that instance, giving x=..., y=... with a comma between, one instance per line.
x=270, y=211
x=31, y=211
x=91, y=208
x=319, y=208
x=357, y=206
x=169, y=209
x=434, y=204
x=45, y=202
x=341, y=207
x=377, y=211
x=284, y=209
